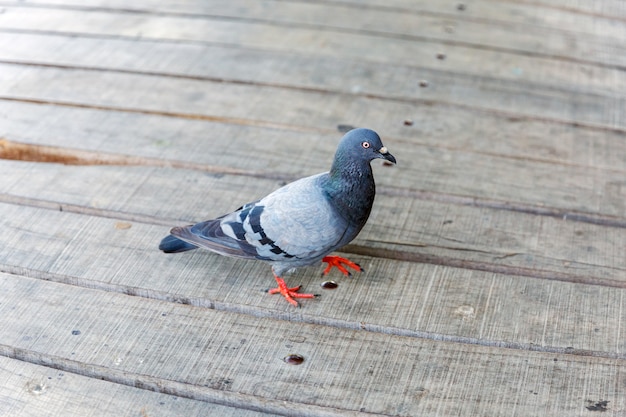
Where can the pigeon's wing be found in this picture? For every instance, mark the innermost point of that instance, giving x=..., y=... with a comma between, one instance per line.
x=294, y=222
x=210, y=235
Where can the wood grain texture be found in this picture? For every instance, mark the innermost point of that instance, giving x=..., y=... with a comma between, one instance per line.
x=237, y=359
x=391, y=297
x=438, y=126
x=400, y=227
x=559, y=14
x=507, y=98
x=328, y=20
x=36, y=390
x=246, y=62
x=494, y=254
x=529, y=182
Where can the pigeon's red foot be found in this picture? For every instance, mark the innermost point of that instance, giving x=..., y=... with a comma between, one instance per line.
x=339, y=262
x=288, y=293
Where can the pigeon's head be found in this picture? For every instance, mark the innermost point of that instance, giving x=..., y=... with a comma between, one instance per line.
x=364, y=145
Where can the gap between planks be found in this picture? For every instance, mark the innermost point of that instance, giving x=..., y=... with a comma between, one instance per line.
x=299, y=316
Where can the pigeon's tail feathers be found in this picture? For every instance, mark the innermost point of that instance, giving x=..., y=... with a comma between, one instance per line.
x=209, y=235
x=172, y=244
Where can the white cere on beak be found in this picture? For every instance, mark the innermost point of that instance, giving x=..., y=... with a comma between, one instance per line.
x=383, y=150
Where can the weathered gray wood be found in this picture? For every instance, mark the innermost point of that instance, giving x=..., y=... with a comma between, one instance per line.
x=507, y=97
x=481, y=296
x=400, y=227
x=447, y=171
x=217, y=100
x=260, y=18
x=459, y=130
x=237, y=359
x=594, y=10
x=34, y=390
x=613, y=185
x=329, y=71
x=391, y=297
x=552, y=14
x=437, y=125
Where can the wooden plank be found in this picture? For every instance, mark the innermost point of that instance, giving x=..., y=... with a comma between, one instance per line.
x=516, y=312
x=237, y=359
x=327, y=71
x=510, y=97
x=401, y=226
x=455, y=172
x=150, y=93
x=392, y=297
x=446, y=171
x=438, y=126
x=552, y=14
x=35, y=390
x=299, y=17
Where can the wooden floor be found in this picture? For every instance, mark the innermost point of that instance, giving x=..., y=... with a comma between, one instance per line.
x=495, y=258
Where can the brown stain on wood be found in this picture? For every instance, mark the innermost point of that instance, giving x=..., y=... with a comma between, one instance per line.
x=36, y=153
x=18, y=151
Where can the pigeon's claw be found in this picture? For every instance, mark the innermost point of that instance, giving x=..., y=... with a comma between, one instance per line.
x=339, y=262
x=288, y=293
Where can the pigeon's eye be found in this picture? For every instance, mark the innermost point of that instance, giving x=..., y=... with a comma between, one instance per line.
x=365, y=145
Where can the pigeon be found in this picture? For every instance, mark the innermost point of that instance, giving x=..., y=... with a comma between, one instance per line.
x=300, y=223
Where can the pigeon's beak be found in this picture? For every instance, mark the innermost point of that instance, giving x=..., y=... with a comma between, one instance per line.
x=384, y=154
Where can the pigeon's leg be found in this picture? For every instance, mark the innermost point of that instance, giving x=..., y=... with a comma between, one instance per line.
x=339, y=262
x=288, y=293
